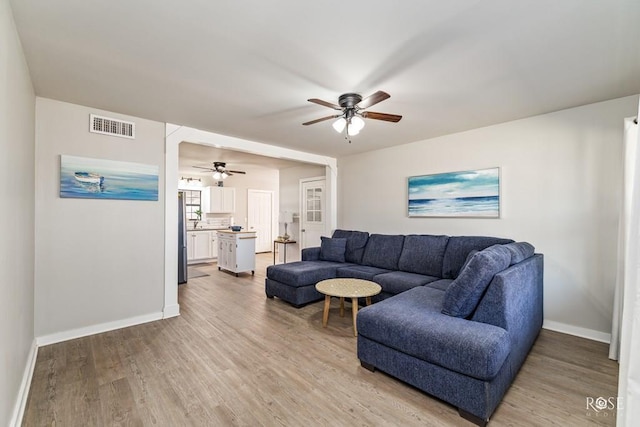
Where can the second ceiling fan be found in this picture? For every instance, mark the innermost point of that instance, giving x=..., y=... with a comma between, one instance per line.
x=351, y=106
x=220, y=170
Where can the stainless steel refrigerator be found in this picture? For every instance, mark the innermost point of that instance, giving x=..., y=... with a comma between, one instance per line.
x=182, y=239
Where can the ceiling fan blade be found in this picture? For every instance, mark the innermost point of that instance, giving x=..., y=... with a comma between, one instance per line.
x=322, y=119
x=324, y=103
x=373, y=99
x=381, y=116
x=201, y=167
x=230, y=171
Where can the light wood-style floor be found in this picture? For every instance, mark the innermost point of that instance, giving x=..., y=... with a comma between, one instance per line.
x=234, y=357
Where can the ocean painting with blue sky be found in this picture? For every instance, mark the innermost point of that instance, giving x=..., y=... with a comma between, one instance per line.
x=86, y=178
x=474, y=193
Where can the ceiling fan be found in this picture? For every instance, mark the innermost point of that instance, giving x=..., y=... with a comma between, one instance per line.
x=220, y=170
x=351, y=107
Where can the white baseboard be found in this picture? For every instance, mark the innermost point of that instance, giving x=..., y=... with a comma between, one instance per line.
x=577, y=331
x=96, y=329
x=171, y=311
x=25, y=385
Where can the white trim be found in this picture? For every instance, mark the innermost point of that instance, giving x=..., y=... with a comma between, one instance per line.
x=25, y=385
x=577, y=331
x=171, y=178
x=176, y=135
x=96, y=329
x=171, y=311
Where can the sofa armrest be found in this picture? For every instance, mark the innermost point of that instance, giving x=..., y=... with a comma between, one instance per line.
x=514, y=302
x=311, y=254
x=514, y=297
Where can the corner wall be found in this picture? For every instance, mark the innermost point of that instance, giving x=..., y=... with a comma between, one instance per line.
x=99, y=263
x=17, y=123
x=561, y=186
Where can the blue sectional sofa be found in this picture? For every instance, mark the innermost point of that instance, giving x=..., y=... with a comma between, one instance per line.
x=397, y=263
x=456, y=317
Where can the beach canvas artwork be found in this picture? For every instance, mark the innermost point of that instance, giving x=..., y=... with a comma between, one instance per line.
x=86, y=178
x=474, y=193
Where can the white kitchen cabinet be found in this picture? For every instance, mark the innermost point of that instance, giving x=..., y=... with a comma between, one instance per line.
x=214, y=244
x=201, y=245
x=218, y=200
x=237, y=251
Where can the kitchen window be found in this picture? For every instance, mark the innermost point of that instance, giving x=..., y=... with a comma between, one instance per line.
x=193, y=204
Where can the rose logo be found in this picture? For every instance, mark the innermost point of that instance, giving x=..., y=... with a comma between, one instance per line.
x=601, y=403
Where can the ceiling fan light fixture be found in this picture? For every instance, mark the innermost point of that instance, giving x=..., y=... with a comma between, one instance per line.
x=217, y=175
x=354, y=125
x=351, y=107
x=224, y=175
x=339, y=124
x=357, y=123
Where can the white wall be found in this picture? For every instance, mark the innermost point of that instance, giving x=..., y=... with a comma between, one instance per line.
x=17, y=122
x=561, y=190
x=97, y=261
x=290, y=201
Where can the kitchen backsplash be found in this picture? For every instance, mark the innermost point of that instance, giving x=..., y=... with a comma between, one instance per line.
x=219, y=222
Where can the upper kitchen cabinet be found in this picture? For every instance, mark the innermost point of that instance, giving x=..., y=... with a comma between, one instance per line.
x=218, y=200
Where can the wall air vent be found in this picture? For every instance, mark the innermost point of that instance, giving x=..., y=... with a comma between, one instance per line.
x=114, y=127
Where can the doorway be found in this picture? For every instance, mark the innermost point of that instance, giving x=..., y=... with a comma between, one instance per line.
x=312, y=211
x=174, y=136
x=260, y=218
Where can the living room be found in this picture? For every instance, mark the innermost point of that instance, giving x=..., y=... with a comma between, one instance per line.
x=77, y=267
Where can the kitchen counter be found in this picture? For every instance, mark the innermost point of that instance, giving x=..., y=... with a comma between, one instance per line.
x=206, y=228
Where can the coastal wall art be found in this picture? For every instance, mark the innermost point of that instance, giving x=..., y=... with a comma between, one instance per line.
x=87, y=178
x=474, y=193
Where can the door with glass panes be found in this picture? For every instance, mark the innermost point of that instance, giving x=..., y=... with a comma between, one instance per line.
x=312, y=212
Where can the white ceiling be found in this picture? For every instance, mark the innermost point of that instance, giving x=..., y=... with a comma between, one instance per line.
x=246, y=68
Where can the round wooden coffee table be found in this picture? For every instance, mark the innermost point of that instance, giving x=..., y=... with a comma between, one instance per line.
x=346, y=288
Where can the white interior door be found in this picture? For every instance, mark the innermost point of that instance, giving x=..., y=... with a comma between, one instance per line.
x=312, y=212
x=260, y=218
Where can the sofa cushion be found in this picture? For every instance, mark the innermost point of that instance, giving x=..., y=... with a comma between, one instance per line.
x=333, y=249
x=303, y=273
x=356, y=241
x=412, y=323
x=520, y=251
x=359, y=271
x=442, y=284
x=464, y=294
x=400, y=281
x=383, y=251
x=459, y=247
x=423, y=254
x=469, y=256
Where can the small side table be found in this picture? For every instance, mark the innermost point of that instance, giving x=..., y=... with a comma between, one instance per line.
x=281, y=242
x=346, y=288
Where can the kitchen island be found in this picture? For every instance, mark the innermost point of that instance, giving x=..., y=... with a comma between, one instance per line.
x=237, y=251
